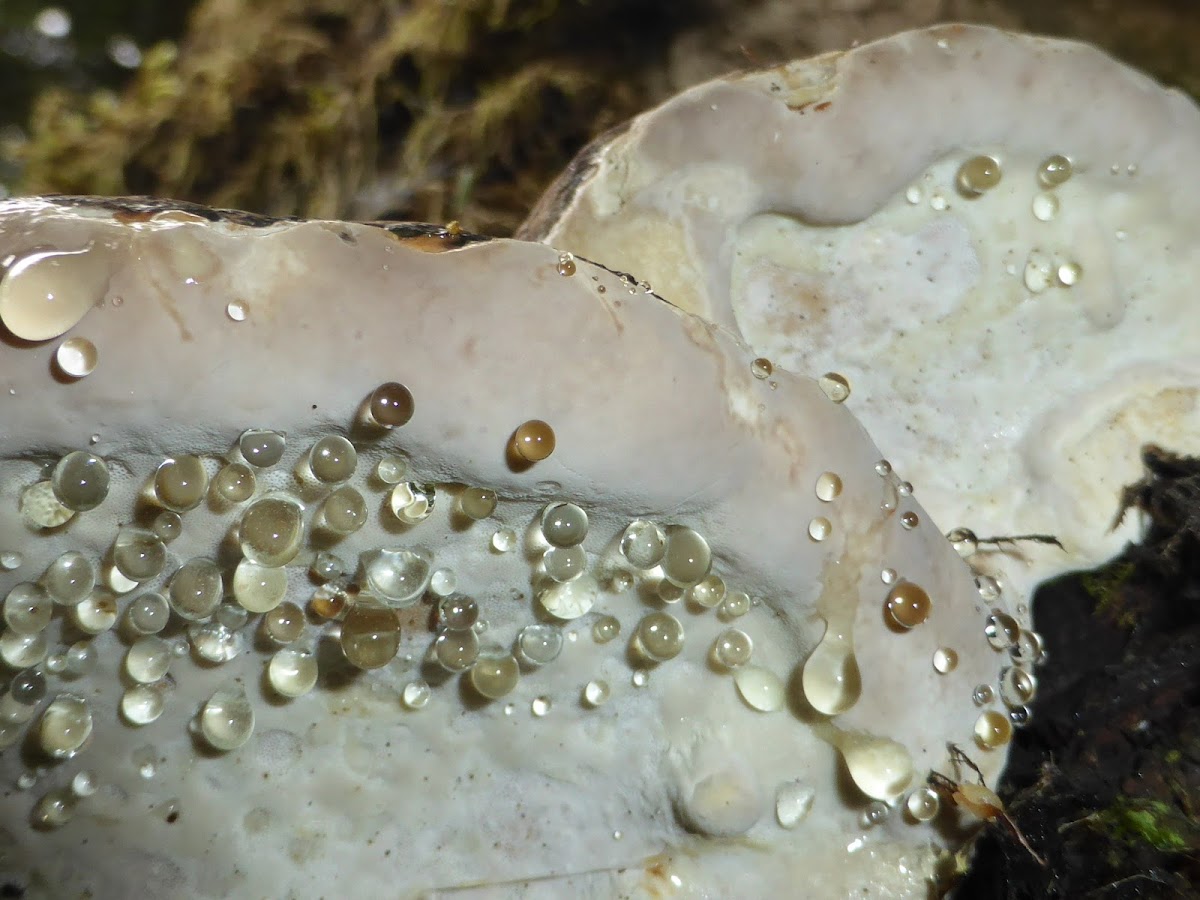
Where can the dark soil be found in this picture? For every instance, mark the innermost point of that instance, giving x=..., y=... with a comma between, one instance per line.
x=1105, y=782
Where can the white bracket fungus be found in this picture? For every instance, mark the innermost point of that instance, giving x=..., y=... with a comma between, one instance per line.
x=985, y=233
x=387, y=560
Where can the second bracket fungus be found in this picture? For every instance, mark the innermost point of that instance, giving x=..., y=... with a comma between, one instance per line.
x=534, y=680
x=949, y=221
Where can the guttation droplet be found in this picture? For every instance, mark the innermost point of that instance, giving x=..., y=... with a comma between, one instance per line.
x=142, y=704
x=964, y=541
x=907, y=605
x=828, y=487
x=69, y=578
x=564, y=524
x=292, y=671
x=80, y=481
x=28, y=608
x=148, y=659
x=1017, y=686
x=571, y=599
x=945, y=660
x=605, y=629
x=46, y=293
x=923, y=804
x=77, y=357
x=495, y=674
x=733, y=648
x=195, y=589
x=687, y=559
x=760, y=688
x=399, y=577
x=457, y=612
x=227, y=718
x=261, y=448
x=391, y=405
x=285, y=623
x=138, y=555
x=539, y=645
x=835, y=387
x=643, y=544
x=793, y=803
x=978, y=175
x=416, y=695
x=65, y=726
x=881, y=767
x=272, y=530
x=831, y=679
x=370, y=634
x=596, y=693
x=1001, y=630
x=412, y=502
x=533, y=441
x=456, y=651
x=993, y=729
x=477, y=503
x=1054, y=170
x=332, y=459
x=659, y=636
x=234, y=483
x=181, y=482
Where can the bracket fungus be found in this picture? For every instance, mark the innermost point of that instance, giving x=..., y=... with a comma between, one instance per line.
x=386, y=558
x=999, y=266
x=289, y=641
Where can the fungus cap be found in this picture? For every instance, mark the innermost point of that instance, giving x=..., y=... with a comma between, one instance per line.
x=984, y=232
x=359, y=759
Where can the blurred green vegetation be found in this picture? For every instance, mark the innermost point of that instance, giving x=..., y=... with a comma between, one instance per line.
x=423, y=109
x=80, y=61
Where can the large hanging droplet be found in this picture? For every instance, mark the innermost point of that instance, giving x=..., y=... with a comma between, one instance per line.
x=47, y=293
x=831, y=679
x=881, y=767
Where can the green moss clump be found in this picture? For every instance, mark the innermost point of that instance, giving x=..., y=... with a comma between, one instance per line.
x=1149, y=822
x=341, y=108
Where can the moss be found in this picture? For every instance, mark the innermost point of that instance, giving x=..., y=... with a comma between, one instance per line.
x=1149, y=822
x=1105, y=586
x=338, y=108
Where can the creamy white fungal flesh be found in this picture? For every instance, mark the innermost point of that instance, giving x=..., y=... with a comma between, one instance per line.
x=346, y=558
x=983, y=232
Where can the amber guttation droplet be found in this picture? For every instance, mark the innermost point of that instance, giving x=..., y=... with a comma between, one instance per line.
x=533, y=441
x=392, y=404
x=907, y=604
